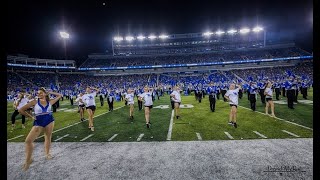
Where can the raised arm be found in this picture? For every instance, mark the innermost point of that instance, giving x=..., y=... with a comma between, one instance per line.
x=58, y=96
x=27, y=95
x=97, y=90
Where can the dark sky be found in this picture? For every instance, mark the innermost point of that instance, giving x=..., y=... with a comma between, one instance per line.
x=33, y=27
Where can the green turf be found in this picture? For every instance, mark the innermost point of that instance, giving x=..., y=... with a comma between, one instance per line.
x=199, y=119
x=302, y=114
x=212, y=125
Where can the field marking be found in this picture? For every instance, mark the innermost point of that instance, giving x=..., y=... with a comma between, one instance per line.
x=15, y=137
x=86, y=137
x=199, y=136
x=229, y=135
x=140, y=137
x=61, y=137
x=170, y=127
x=80, y=122
x=259, y=134
x=292, y=134
x=110, y=139
x=306, y=102
x=279, y=118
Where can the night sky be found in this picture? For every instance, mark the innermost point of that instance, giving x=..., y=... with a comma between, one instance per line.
x=33, y=28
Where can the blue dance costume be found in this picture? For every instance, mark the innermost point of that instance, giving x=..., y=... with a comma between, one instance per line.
x=43, y=114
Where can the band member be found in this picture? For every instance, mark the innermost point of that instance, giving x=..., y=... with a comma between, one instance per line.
x=252, y=95
x=199, y=94
x=171, y=100
x=223, y=91
x=277, y=89
x=240, y=93
x=304, y=89
x=218, y=91
x=283, y=86
x=261, y=86
x=101, y=98
x=71, y=98
x=110, y=99
x=290, y=93
x=296, y=91
x=140, y=91
x=123, y=95
x=212, y=91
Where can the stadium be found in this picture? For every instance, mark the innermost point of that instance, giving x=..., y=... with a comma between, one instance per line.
x=200, y=142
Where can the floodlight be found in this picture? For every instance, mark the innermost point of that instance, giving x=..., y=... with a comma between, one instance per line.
x=163, y=36
x=141, y=37
x=64, y=35
x=232, y=31
x=152, y=37
x=257, y=29
x=129, y=38
x=118, y=38
x=219, y=32
x=207, y=33
x=244, y=30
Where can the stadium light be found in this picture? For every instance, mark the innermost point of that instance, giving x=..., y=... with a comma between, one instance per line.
x=163, y=36
x=232, y=31
x=207, y=33
x=118, y=38
x=129, y=38
x=64, y=35
x=244, y=30
x=152, y=37
x=141, y=37
x=257, y=29
x=219, y=32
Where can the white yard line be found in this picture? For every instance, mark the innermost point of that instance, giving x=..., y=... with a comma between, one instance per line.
x=259, y=134
x=292, y=134
x=199, y=136
x=15, y=137
x=170, y=127
x=115, y=135
x=229, y=135
x=86, y=137
x=61, y=137
x=140, y=137
x=79, y=122
x=278, y=118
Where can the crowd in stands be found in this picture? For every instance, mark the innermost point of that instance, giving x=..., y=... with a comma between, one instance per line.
x=77, y=82
x=302, y=71
x=193, y=58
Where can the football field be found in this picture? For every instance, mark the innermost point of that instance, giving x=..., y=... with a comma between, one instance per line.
x=197, y=122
